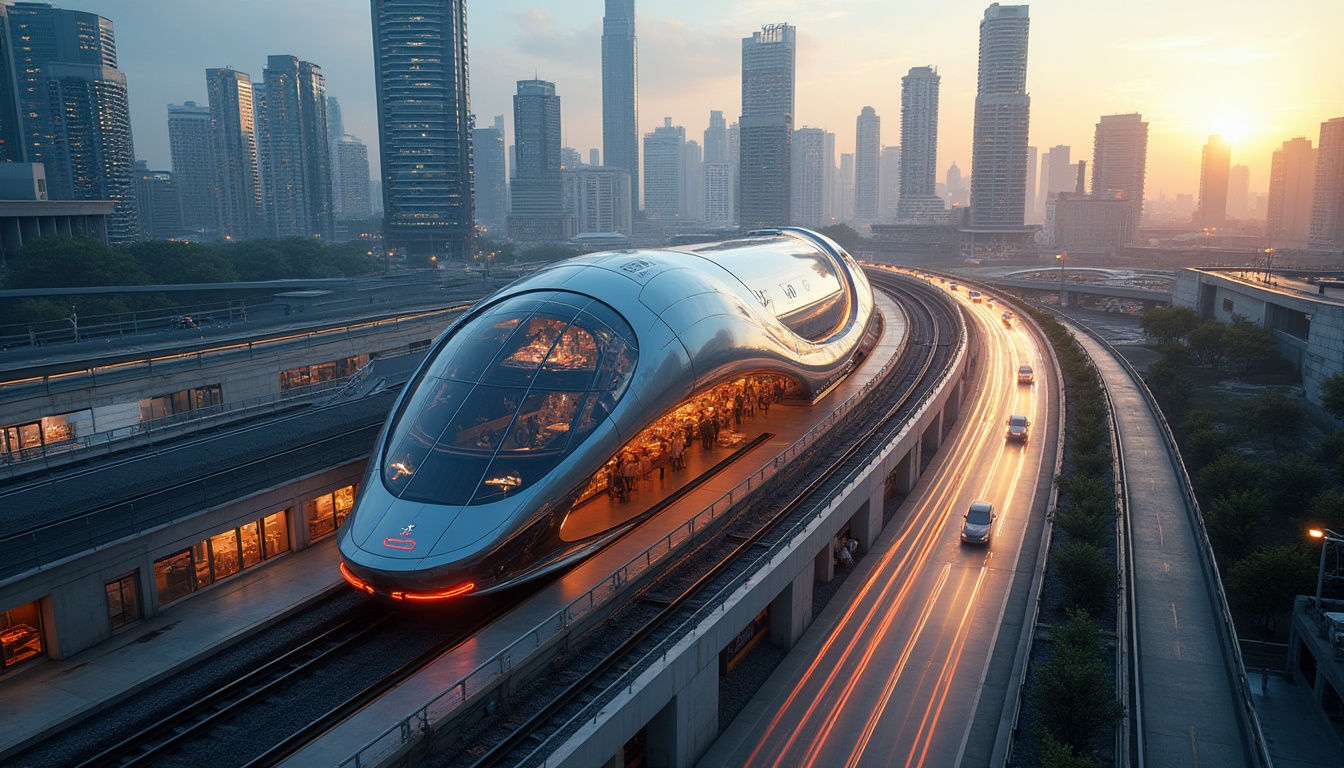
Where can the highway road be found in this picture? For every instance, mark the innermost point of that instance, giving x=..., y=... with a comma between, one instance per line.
x=891, y=672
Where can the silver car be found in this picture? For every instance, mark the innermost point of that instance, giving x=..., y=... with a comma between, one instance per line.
x=979, y=523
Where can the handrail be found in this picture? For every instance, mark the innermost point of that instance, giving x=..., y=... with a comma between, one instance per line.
x=402, y=732
x=1228, y=634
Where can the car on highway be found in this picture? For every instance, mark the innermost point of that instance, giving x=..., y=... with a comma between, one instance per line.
x=1008, y=320
x=975, y=296
x=1017, y=428
x=1025, y=375
x=978, y=523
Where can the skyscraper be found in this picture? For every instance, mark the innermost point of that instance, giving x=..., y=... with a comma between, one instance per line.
x=1238, y=191
x=766, y=126
x=694, y=181
x=665, y=171
x=424, y=125
x=294, y=150
x=808, y=177
x=351, y=162
x=844, y=187
x=1058, y=173
x=620, y=91
x=233, y=141
x=193, y=167
x=1292, y=175
x=158, y=203
x=1002, y=118
x=889, y=197
x=1327, y=206
x=718, y=189
x=75, y=113
x=919, y=145
x=598, y=199
x=1213, y=183
x=491, y=182
x=11, y=125
x=867, y=164
x=1120, y=161
x=1029, y=200
x=538, y=210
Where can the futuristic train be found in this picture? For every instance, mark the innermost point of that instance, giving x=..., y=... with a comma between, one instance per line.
x=496, y=463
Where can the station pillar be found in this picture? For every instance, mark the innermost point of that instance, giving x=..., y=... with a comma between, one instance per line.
x=791, y=611
x=685, y=728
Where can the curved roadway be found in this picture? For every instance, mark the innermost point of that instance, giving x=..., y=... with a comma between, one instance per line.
x=901, y=668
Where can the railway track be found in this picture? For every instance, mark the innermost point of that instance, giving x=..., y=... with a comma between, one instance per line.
x=524, y=737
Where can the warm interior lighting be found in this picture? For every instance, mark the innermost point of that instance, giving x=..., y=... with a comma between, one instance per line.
x=1316, y=533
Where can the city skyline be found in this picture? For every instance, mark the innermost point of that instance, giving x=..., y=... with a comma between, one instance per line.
x=1235, y=78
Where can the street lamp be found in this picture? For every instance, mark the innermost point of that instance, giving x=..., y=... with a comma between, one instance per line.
x=1061, y=256
x=1269, y=266
x=1326, y=536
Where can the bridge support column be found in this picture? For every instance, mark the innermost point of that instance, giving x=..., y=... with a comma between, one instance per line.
x=906, y=473
x=823, y=565
x=932, y=437
x=866, y=524
x=791, y=611
x=681, y=732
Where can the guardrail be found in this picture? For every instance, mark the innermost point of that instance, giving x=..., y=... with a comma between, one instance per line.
x=404, y=731
x=1228, y=635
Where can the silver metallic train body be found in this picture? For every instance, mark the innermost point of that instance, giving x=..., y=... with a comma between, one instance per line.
x=523, y=399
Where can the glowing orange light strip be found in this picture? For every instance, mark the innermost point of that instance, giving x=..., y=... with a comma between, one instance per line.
x=444, y=594
x=354, y=580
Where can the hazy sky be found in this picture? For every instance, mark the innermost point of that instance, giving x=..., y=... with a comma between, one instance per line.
x=1258, y=72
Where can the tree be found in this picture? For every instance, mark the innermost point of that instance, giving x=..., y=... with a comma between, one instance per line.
x=168, y=262
x=1229, y=473
x=1276, y=417
x=1171, y=387
x=1087, y=575
x=1058, y=755
x=1207, y=342
x=1074, y=695
x=1332, y=395
x=59, y=261
x=846, y=237
x=1233, y=520
x=1169, y=324
x=1269, y=578
x=1294, y=481
x=1248, y=345
x=1204, y=446
x=548, y=252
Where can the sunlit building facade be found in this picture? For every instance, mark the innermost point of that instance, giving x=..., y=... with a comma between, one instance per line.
x=1327, y=206
x=1292, y=176
x=233, y=139
x=620, y=91
x=919, y=145
x=766, y=127
x=537, y=213
x=294, y=150
x=1213, y=170
x=424, y=126
x=1002, y=119
x=665, y=171
x=867, y=165
x=1120, y=161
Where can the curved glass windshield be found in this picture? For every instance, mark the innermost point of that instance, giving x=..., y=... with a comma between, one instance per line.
x=507, y=397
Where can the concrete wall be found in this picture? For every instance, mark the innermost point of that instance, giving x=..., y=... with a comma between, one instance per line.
x=689, y=669
x=72, y=591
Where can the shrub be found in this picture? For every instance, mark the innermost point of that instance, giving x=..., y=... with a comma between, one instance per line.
x=1087, y=575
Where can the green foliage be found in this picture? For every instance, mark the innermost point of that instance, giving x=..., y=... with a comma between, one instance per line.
x=1171, y=387
x=1087, y=575
x=548, y=252
x=1074, y=695
x=1205, y=446
x=846, y=237
x=1332, y=395
x=1229, y=473
x=170, y=262
x=1058, y=755
x=1248, y=345
x=1169, y=324
x=1233, y=520
x=1294, y=481
x=1207, y=342
x=1276, y=417
x=1267, y=580
x=67, y=262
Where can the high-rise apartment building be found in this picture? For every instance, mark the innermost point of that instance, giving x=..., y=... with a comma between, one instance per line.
x=598, y=198
x=350, y=162
x=73, y=105
x=1002, y=119
x=233, y=141
x=492, y=204
x=1029, y=200
x=867, y=165
x=718, y=187
x=1058, y=173
x=808, y=177
x=158, y=203
x=1327, y=205
x=844, y=187
x=1120, y=161
x=294, y=150
x=1213, y=183
x=424, y=126
x=11, y=121
x=1292, y=176
x=889, y=197
x=764, y=185
x=694, y=181
x=538, y=210
x=620, y=91
x=665, y=171
x=193, y=168
x=955, y=186
x=919, y=145
x=1238, y=192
